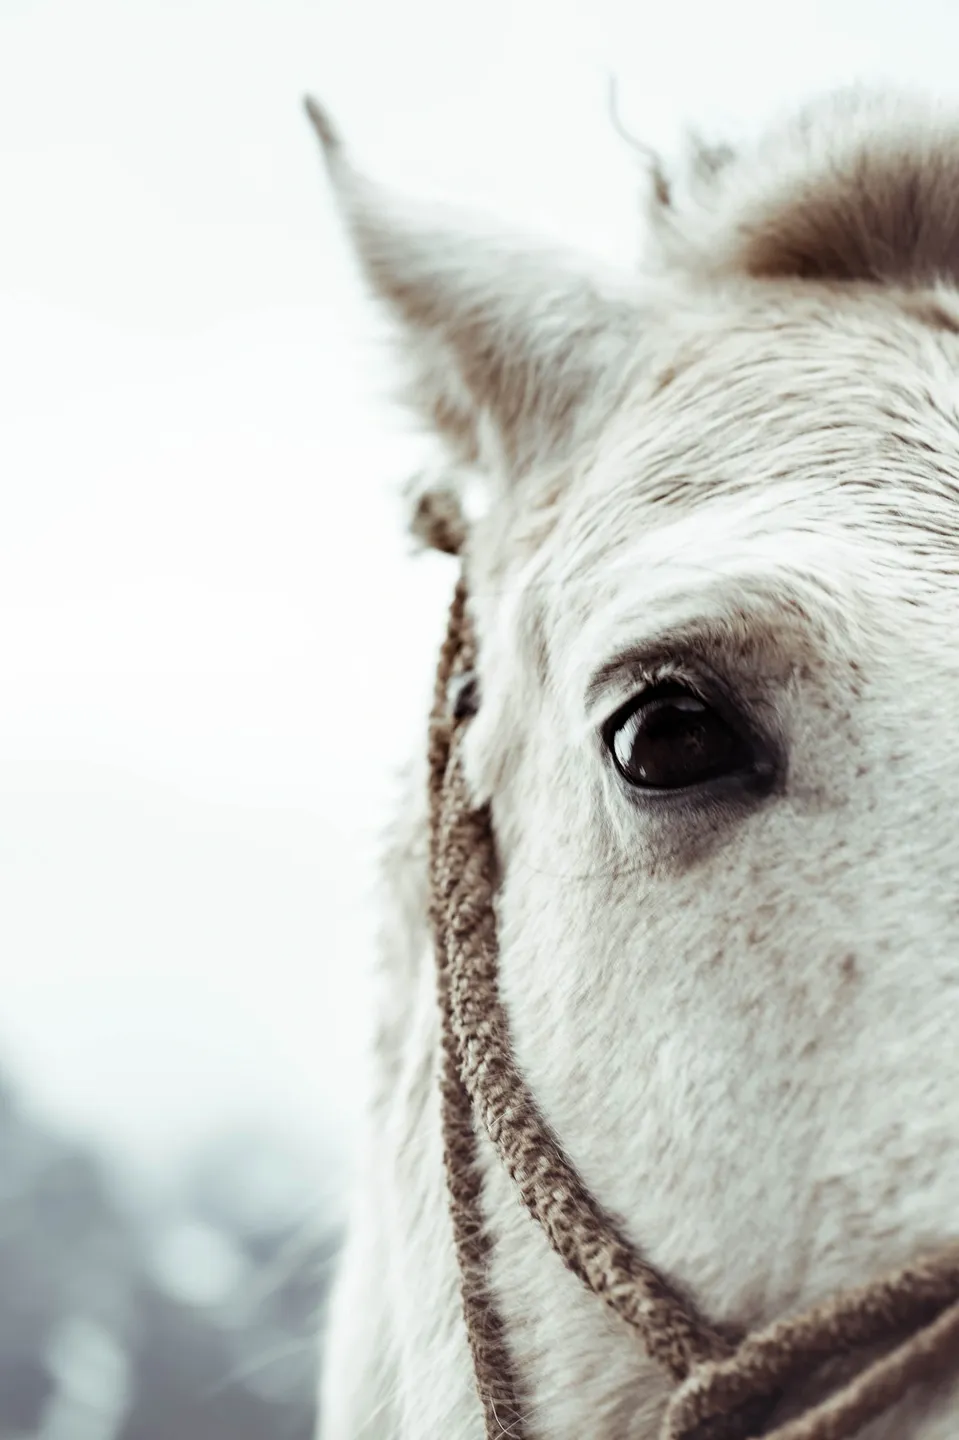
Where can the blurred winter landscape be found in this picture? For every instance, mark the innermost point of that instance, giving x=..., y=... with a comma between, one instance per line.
x=215, y=650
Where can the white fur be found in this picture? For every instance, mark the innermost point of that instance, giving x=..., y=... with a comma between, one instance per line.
x=740, y=1020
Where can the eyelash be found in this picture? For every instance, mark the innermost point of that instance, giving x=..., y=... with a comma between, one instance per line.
x=666, y=672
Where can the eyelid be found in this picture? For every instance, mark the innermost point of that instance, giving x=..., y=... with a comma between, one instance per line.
x=659, y=681
x=628, y=677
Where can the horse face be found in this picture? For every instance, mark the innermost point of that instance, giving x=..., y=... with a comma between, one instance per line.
x=714, y=581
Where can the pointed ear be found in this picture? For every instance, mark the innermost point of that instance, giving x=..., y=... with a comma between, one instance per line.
x=512, y=352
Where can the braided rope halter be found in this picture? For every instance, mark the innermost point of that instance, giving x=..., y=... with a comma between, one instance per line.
x=725, y=1387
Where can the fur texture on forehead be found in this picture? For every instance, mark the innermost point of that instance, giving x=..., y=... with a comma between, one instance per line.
x=720, y=399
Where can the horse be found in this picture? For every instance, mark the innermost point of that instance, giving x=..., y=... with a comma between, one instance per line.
x=707, y=513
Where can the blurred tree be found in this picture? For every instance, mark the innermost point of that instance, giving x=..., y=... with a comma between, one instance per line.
x=150, y=1323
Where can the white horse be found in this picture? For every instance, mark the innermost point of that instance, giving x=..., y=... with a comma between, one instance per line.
x=716, y=589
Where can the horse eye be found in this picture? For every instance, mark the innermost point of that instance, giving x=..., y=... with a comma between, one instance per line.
x=672, y=740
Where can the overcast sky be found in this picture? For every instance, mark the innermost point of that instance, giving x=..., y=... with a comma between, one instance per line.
x=214, y=651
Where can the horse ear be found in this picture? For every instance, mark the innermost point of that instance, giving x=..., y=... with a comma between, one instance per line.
x=510, y=351
x=861, y=185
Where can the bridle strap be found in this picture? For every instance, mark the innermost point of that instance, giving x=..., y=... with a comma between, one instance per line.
x=496, y=1380
x=727, y=1386
x=918, y=1302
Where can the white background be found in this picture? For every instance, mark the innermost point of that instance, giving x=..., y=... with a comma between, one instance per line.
x=214, y=649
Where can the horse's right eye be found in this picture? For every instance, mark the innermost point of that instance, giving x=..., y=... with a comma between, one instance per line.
x=671, y=739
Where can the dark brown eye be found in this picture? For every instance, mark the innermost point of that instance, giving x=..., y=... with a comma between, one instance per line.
x=672, y=740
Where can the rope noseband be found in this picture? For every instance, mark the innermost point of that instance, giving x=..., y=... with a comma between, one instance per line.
x=726, y=1388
